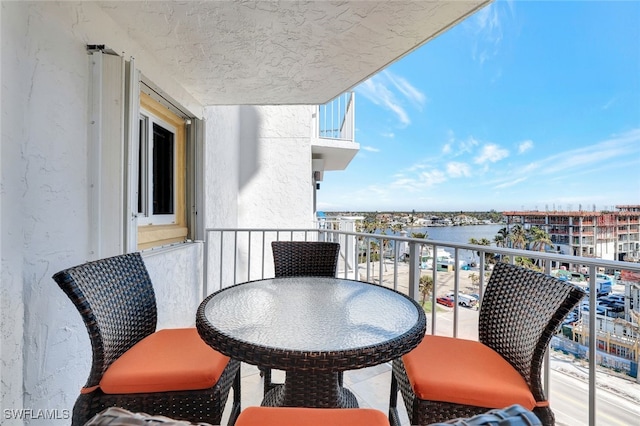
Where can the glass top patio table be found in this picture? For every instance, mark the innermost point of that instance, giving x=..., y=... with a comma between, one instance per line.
x=312, y=328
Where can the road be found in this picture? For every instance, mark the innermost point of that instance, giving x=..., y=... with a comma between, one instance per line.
x=570, y=402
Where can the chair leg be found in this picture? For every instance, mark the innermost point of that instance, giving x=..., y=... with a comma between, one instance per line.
x=394, y=418
x=236, y=407
x=267, y=380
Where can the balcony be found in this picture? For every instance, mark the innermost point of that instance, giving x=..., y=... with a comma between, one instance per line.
x=333, y=145
x=580, y=390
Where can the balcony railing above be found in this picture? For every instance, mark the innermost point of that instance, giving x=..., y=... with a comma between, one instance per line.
x=333, y=145
x=336, y=119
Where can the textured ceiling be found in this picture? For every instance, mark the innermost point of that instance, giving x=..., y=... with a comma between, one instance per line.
x=289, y=52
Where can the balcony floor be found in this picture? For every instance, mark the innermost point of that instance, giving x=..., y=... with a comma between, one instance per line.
x=370, y=385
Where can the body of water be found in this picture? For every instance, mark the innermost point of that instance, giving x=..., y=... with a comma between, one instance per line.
x=458, y=234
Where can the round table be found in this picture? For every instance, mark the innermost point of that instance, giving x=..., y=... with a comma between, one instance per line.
x=313, y=328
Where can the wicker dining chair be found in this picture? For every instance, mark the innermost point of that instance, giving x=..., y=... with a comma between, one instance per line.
x=170, y=372
x=305, y=258
x=445, y=378
x=302, y=259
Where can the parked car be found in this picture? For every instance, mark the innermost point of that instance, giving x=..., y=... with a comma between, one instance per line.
x=463, y=299
x=600, y=309
x=565, y=275
x=612, y=298
x=445, y=300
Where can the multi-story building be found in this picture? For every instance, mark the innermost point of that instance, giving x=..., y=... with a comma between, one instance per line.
x=602, y=234
x=607, y=235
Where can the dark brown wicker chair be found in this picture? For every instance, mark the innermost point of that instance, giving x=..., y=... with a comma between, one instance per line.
x=302, y=259
x=521, y=311
x=305, y=258
x=117, y=303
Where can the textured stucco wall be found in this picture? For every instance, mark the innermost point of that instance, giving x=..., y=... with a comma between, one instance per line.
x=277, y=187
x=44, y=105
x=45, y=207
x=257, y=173
x=12, y=167
x=176, y=273
x=221, y=178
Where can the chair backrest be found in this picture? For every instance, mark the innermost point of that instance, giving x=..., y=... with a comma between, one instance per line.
x=117, y=303
x=521, y=310
x=305, y=258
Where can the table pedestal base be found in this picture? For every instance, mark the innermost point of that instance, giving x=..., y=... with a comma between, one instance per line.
x=310, y=389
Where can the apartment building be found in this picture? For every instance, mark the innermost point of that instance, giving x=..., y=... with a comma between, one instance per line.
x=602, y=234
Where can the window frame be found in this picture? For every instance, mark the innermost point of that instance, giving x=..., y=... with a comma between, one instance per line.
x=151, y=233
x=146, y=216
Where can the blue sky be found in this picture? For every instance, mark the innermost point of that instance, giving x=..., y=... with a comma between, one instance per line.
x=524, y=105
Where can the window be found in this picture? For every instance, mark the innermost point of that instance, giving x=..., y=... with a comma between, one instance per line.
x=156, y=177
x=161, y=176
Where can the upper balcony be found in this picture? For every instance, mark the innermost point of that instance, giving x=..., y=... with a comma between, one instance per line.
x=333, y=144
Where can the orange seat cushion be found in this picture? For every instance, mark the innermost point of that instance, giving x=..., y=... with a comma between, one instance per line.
x=297, y=416
x=167, y=360
x=464, y=372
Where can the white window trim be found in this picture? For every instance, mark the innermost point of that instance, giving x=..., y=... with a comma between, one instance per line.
x=147, y=218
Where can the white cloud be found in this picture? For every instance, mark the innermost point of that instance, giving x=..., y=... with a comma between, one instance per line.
x=404, y=182
x=389, y=135
x=491, y=153
x=377, y=92
x=487, y=29
x=455, y=169
x=467, y=146
x=370, y=148
x=410, y=92
x=624, y=146
x=431, y=178
x=525, y=146
x=619, y=151
x=609, y=104
x=510, y=182
x=390, y=92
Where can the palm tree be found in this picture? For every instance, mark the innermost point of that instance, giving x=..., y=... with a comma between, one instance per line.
x=420, y=235
x=482, y=242
x=426, y=287
x=539, y=241
x=501, y=237
x=369, y=225
x=396, y=228
x=518, y=237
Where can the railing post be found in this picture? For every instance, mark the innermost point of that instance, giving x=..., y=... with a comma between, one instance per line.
x=456, y=291
x=593, y=347
x=414, y=271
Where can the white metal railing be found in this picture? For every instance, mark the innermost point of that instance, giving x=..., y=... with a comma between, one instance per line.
x=236, y=255
x=336, y=118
